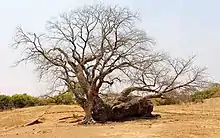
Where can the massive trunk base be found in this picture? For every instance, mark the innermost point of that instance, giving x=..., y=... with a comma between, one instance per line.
x=88, y=119
x=120, y=110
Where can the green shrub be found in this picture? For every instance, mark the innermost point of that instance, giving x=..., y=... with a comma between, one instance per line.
x=173, y=97
x=166, y=101
x=23, y=100
x=45, y=101
x=5, y=102
x=65, y=98
x=199, y=96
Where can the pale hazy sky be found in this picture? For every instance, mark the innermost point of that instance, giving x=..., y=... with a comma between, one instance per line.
x=180, y=27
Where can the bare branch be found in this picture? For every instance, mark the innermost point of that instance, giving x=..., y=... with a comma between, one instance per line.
x=97, y=46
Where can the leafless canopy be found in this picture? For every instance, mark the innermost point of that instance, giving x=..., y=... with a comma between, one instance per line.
x=98, y=45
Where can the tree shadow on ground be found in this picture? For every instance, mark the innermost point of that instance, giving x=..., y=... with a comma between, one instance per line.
x=147, y=117
x=71, y=119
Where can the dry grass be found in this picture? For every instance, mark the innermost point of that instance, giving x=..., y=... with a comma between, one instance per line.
x=190, y=120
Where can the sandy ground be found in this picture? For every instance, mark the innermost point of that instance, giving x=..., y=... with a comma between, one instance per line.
x=178, y=121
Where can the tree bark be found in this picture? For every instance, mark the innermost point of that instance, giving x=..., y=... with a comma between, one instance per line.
x=115, y=108
x=88, y=107
x=132, y=106
x=88, y=119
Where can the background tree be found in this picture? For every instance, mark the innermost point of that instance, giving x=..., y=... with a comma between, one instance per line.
x=5, y=102
x=98, y=46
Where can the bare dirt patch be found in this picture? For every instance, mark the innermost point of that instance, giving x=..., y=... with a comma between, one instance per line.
x=190, y=120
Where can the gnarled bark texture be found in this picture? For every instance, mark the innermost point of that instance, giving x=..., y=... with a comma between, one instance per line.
x=119, y=110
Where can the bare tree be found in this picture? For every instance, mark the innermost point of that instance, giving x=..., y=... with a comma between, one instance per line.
x=96, y=46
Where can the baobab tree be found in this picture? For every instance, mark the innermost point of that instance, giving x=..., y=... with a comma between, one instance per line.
x=98, y=46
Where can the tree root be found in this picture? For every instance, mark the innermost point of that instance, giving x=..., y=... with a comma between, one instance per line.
x=36, y=121
x=87, y=122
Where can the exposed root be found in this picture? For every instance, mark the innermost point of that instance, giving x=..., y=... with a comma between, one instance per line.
x=76, y=121
x=64, y=118
x=87, y=122
x=37, y=121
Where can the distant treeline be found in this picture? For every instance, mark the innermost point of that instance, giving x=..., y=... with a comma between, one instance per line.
x=182, y=97
x=67, y=98
x=25, y=100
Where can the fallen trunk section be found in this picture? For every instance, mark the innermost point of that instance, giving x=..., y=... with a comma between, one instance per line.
x=119, y=109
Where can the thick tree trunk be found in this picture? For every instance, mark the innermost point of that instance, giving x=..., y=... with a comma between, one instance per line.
x=101, y=111
x=88, y=106
x=88, y=119
x=114, y=108
x=132, y=106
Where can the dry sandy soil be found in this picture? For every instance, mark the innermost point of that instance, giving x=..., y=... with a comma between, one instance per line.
x=190, y=120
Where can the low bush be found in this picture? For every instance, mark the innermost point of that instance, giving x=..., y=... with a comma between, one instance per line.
x=165, y=101
x=23, y=100
x=213, y=91
x=173, y=97
x=65, y=98
x=46, y=101
x=5, y=102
